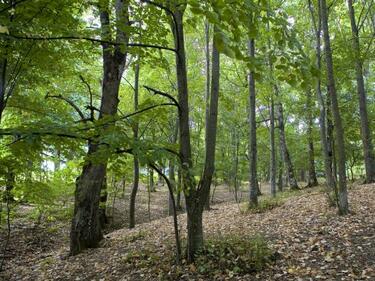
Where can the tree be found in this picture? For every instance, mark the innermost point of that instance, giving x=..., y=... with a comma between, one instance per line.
x=368, y=150
x=136, y=161
x=85, y=228
x=253, y=180
x=339, y=131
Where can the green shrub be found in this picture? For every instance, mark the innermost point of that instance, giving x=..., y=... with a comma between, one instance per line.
x=233, y=255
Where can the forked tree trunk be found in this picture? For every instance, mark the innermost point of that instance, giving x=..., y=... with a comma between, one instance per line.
x=253, y=179
x=85, y=228
x=339, y=131
x=368, y=152
x=195, y=196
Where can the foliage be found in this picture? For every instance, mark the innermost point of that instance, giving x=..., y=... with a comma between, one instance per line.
x=233, y=254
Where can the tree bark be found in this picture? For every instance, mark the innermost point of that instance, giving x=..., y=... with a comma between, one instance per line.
x=368, y=151
x=134, y=191
x=285, y=152
x=330, y=183
x=253, y=180
x=208, y=62
x=85, y=227
x=312, y=180
x=339, y=131
x=273, y=151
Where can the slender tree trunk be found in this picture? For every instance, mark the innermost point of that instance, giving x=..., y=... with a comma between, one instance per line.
x=253, y=179
x=273, y=150
x=172, y=177
x=3, y=77
x=208, y=62
x=85, y=228
x=151, y=182
x=134, y=191
x=179, y=188
x=312, y=180
x=195, y=196
x=285, y=152
x=330, y=183
x=368, y=151
x=339, y=131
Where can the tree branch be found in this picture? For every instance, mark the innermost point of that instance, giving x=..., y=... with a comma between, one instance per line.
x=71, y=103
x=91, y=108
x=157, y=92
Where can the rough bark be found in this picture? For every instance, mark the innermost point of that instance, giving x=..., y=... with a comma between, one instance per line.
x=339, y=131
x=368, y=152
x=134, y=191
x=253, y=180
x=85, y=228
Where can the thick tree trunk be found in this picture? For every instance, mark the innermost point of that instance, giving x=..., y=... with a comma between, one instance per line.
x=339, y=131
x=368, y=151
x=134, y=191
x=285, y=152
x=253, y=179
x=85, y=227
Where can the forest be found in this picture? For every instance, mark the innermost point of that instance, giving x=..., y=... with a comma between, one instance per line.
x=187, y=140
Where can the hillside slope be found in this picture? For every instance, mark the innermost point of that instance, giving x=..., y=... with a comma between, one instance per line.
x=312, y=243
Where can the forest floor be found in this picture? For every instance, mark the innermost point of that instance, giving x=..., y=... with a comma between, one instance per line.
x=311, y=242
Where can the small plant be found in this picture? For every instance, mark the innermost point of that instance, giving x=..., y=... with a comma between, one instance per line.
x=136, y=236
x=265, y=205
x=233, y=255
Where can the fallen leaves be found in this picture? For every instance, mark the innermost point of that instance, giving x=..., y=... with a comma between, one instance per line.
x=312, y=243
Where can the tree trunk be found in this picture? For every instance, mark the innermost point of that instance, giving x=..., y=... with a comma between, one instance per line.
x=368, y=152
x=273, y=152
x=134, y=191
x=85, y=227
x=172, y=177
x=339, y=131
x=285, y=152
x=151, y=185
x=195, y=196
x=312, y=180
x=208, y=62
x=179, y=188
x=3, y=82
x=330, y=183
x=253, y=180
